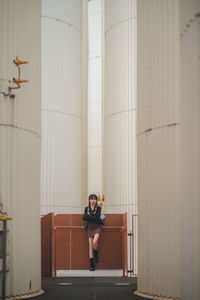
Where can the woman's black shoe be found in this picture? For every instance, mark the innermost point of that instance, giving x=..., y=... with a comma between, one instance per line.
x=92, y=265
x=96, y=259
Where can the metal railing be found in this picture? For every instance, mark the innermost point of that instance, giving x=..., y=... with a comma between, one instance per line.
x=132, y=235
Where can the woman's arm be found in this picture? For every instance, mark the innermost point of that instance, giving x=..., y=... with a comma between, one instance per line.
x=98, y=212
x=85, y=216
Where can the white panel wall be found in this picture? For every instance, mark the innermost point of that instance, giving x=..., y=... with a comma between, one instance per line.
x=84, y=103
x=62, y=89
x=95, y=37
x=120, y=109
x=158, y=138
x=190, y=149
x=20, y=141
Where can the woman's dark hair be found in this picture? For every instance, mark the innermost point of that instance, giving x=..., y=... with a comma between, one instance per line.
x=92, y=196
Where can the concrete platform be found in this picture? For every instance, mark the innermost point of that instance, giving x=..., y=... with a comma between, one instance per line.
x=89, y=288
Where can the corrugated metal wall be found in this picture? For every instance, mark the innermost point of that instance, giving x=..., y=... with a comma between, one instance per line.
x=190, y=148
x=95, y=37
x=158, y=139
x=20, y=141
x=84, y=103
x=62, y=111
x=120, y=108
x=120, y=105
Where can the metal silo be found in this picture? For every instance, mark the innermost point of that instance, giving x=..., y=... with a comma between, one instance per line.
x=20, y=140
x=190, y=148
x=64, y=106
x=120, y=108
x=158, y=148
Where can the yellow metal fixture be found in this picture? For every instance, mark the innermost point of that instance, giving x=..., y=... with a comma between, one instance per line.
x=100, y=201
x=19, y=80
x=5, y=217
x=18, y=62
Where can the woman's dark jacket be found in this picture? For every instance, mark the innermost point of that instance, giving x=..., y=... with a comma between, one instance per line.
x=92, y=218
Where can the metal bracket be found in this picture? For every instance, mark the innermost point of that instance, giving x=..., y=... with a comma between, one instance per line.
x=17, y=81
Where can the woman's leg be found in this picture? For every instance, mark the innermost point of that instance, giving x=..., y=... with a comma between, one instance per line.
x=95, y=245
x=95, y=241
x=91, y=252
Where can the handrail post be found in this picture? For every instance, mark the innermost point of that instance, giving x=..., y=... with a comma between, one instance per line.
x=4, y=261
x=4, y=218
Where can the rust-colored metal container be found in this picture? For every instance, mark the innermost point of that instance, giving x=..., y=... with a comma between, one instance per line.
x=65, y=243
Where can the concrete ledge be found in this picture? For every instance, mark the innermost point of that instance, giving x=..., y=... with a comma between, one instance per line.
x=87, y=273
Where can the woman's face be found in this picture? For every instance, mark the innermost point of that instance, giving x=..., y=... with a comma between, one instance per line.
x=93, y=202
